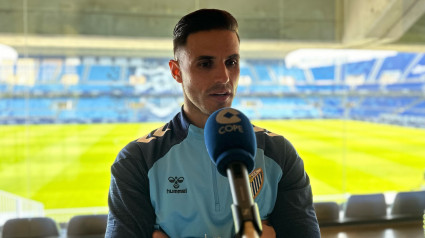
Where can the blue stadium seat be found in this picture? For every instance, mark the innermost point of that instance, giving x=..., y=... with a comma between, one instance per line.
x=281, y=70
x=409, y=204
x=365, y=207
x=269, y=89
x=245, y=71
x=357, y=68
x=47, y=88
x=399, y=62
x=327, y=212
x=323, y=73
x=374, y=87
x=417, y=110
x=30, y=227
x=418, y=71
x=263, y=72
x=85, y=226
x=49, y=70
x=407, y=87
x=104, y=73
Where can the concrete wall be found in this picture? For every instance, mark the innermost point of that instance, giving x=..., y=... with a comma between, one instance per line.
x=267, y=19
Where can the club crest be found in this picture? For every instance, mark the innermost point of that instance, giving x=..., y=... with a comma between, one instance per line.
x=256, y=180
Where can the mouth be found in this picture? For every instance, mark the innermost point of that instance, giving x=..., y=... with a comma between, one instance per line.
x=221, y=96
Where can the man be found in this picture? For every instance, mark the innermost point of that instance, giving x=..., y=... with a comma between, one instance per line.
x=164, y=184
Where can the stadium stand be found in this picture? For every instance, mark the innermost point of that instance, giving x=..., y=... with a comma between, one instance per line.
x=407, y=87
x=417, y=110
x=373, y=87
x=283, y=73
x=357, y=72
x=393, y=67
x=94, y=89
x=246, y=72
x=324, y=73
x=417, y=71
x=263, y=72
x=104, y=73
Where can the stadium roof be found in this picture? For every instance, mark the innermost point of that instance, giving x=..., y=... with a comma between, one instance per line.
x=268, y=28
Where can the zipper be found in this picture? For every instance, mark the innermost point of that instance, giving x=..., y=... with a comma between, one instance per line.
x=216, y=198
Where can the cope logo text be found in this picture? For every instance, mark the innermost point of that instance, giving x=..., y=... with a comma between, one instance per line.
x=230, y=128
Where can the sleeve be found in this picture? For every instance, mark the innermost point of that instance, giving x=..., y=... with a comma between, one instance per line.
x=293, y=215
x=130, y=211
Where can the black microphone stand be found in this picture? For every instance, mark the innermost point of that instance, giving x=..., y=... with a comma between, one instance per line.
x=246, y=215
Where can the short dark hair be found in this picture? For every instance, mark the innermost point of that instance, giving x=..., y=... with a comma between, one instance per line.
x=202, y=20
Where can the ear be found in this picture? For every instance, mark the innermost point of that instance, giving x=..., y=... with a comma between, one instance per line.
x=175, y=70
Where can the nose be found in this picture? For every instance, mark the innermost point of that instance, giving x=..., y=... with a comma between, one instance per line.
x=222, y=74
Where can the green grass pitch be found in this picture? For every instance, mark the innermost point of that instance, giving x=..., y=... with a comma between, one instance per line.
x=67, y=166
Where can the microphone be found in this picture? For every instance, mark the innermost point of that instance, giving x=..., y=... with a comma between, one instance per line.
x=231, y=145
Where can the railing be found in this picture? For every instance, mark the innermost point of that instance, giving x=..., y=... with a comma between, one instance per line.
x=13, y=206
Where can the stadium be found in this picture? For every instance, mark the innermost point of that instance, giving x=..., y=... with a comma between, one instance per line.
x=344, y=81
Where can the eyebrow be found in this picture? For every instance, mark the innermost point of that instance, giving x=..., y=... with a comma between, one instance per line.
x=234, y=56
x=207, y=57
x=204, y=57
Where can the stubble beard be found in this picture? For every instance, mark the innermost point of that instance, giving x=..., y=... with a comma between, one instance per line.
x=201, y=104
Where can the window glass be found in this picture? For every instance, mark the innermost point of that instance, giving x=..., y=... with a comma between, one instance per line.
x=344, y=81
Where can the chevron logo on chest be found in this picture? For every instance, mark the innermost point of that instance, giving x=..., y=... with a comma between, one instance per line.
x=256, y=181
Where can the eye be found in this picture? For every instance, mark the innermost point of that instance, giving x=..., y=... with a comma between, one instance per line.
x=171, y=179
x=180, y=180
x=205, y=64
x=232, y=62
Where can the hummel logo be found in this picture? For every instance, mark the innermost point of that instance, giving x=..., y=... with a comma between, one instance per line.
x=176, y=181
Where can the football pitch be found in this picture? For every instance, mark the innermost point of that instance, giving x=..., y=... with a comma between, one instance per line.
x=68, y=166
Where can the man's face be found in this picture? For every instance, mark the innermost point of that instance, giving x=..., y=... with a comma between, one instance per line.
x=208, y=69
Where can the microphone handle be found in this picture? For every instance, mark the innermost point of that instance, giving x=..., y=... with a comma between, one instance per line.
x=249, y=230
x=246, y=215
x=239, y=185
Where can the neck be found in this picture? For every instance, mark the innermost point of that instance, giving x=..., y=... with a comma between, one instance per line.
x=196, y=119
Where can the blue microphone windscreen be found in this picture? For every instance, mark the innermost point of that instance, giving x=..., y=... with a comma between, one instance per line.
x=229, y=137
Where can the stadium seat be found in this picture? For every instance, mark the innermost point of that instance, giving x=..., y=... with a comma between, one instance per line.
x=30, y=227
x=409, y=204
x=365, y=207
x=85, y=226
x=327, y=212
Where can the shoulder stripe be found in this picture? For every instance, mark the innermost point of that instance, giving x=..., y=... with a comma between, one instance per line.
x=145, y=139
x=160, y=132
x=269, y=133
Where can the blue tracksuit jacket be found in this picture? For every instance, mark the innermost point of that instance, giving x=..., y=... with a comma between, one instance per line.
x=166, y=180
